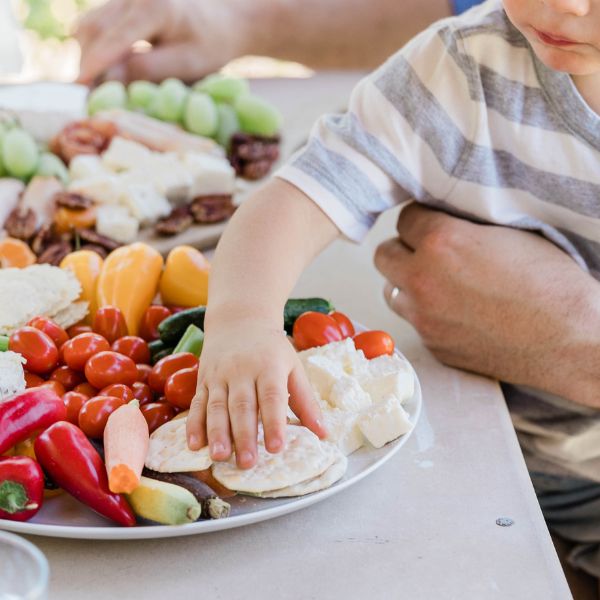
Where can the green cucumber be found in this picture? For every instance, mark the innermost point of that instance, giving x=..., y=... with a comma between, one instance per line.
x=3, y=343
x=158, y=350
x=294, y=307
x=192, y=341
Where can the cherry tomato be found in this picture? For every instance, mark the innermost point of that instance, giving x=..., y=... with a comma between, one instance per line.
x=106, y=368
x=157, y=414
x=143, y=372
x=86, y=389
x=67, y=376
x=134, y=347
x=168, y=365
x=74, y=402
x=110, y=323
x=181, y=387
x=36, y=347
x=152, y=318
x=78, y=350
x=54, y=331
x=95, y=413
x=33, y=380
x=142, y=392
x=315, y=329
x=374, y=343
x=57, y=387
x=344, y=323
x=118, y=390
x=78, y=328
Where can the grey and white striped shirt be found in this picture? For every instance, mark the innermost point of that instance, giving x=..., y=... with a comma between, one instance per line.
x=466, y=119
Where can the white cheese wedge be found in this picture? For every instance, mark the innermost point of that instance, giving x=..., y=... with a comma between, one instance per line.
x=124, y=155
x=212, y=175
x=116, y=223
x=83, y=166
x=384, y=422
x=347, y=394
x=343, y=430
x=387, y=375
x=103, y=188
x=144, y=202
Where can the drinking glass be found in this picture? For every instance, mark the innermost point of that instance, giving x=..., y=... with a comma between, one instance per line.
x=23, y=569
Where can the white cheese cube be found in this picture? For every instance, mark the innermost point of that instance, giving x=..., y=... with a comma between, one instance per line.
x=322, y=374
x=343, y=430
x=384, y=422
x=387, y=375
x=170, y=176
x=103, y=188
x=346, y=394
x=144, y=202
x=212, y=175
x=116, y=223
x=124, y=155
x=83, y=166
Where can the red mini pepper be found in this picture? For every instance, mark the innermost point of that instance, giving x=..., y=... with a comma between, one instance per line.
x=21, y=488
x=28, y=412
x=73, y=463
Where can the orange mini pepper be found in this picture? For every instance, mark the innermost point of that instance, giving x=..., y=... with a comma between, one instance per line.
x=86, y=266
x=184, y=281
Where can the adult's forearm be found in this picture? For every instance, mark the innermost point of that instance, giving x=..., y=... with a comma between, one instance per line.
x=328, y=34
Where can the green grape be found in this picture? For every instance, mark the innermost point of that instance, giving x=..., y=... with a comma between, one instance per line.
x=223, y=89
x=111, y=94
x=141, y=94
x=170, y=100
x=228, y=124
x=51, y=166
x=200, y=114
x=20, y=153
x=257, y=116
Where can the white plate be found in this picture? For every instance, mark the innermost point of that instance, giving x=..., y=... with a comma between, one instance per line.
x=64, y=517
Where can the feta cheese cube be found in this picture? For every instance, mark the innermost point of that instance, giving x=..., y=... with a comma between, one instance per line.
x=387, y=375
x=116, y=223
x=170, y=176
x=212, y=175
x=384, y=422
x=322, y=374
x=343, y=430
x=103, y=188
x=144, y=202
x=83, y=166
x=124, y=155
x=347, y=394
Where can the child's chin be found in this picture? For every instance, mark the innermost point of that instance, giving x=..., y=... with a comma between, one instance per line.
x=566, y=61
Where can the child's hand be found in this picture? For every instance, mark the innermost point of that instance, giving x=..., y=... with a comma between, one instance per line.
x=247, y=366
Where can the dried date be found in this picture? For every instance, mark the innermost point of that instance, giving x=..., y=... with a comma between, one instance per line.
x=212, y=209
x=21, y=224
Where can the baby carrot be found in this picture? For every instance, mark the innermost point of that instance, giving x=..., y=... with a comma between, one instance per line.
x=125, y=446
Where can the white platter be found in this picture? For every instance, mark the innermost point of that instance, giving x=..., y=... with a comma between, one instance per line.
x=64, y=517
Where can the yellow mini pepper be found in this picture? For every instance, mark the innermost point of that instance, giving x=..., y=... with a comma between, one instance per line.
x=129, y=281
x=184, y=281
x=86, y=266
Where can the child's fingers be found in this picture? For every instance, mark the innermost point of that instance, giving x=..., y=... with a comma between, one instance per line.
x=196, y=420
x=217, y=423
x=272, y=395
x=243, y=415
x=303, y=403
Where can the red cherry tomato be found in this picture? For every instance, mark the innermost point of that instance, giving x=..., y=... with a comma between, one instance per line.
x=134, y=347
x=110, y=323
x=152, y=318
x=157, y=414
x=315, y=329
x=106, y=368
x=142, y=392
x=78, y=350
x=344, y=323
x=57, y=387
x=86, y=389
x=143, y=372
x=54, y=331
x=168, y=365
x=75, y=330
x=36, y=347
x=67, y=376
x=181, y=387
x=118, y=390
x=32, y=380
x=74, y=403
x=374, y=343
x=95, y=412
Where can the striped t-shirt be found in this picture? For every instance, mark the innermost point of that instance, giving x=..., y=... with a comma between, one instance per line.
x=466, y=119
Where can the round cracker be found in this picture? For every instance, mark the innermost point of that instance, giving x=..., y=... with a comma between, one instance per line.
x=303, y=457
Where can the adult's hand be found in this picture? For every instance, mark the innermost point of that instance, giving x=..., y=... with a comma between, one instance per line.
x=190, y=39
x=496, y=301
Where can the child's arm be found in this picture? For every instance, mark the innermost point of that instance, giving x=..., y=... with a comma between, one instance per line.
x=247, y=361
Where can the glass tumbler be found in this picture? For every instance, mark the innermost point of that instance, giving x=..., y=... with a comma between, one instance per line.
x=23, y=569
